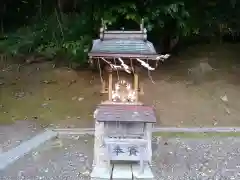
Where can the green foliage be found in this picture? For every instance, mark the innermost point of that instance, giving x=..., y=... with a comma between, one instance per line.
x=66, y=28
x=126, y=10
x=51, y=38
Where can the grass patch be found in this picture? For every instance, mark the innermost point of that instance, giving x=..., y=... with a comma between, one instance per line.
x=196, y=135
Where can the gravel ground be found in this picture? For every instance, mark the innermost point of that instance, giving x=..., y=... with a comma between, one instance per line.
x=174, y=159
x=60, y=159
x=213, y=158
x=12, y=135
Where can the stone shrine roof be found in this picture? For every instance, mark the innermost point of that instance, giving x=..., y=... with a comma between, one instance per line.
x=128, y=44
x=125, y=113
x=123, y=46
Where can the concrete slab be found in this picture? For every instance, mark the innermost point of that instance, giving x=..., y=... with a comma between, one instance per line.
x=146, y=175
x=14, y=134
x=24, y=148
x=101, y=173
x=57, y=159
x=122, y=172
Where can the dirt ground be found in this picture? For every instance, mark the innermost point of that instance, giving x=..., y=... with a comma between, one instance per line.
x=67, y=98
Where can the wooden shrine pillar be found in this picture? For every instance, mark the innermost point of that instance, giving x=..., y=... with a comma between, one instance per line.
x=110, y=80
x=107, y=82
x=140, y=83
x=104, y=88
x=136, y=81
x=108, y=75
x=136, y=85
x=141, y=92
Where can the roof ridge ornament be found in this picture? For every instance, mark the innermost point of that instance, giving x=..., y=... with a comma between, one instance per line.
x=142, y=25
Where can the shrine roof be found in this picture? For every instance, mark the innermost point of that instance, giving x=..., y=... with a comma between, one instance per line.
x=125, y=113
x=123, y=46
x=121, y=43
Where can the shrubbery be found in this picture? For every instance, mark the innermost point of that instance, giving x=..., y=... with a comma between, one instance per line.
x=66, y=28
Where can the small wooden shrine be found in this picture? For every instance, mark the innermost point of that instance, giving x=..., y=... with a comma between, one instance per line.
x=127, y=51
x=123, y=125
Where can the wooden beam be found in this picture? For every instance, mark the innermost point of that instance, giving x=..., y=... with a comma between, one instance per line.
x=125, y=141
x=136, y=85
x=110, y=86
x=122, y=103
x=103, y=89
x=141, y=92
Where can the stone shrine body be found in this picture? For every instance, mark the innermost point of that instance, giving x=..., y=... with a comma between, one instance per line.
x=123, y=136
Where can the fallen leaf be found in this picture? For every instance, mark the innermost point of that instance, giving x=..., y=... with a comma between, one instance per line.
x=215, y=123
x=86, y=173
x=57, y=144
x=75, y=137
x=80, y=99
x=227, y=110
x=49, y=82
x=19, y=94
x=44, y=104
x=72, y=82
x=224, y=98
x=74, y=98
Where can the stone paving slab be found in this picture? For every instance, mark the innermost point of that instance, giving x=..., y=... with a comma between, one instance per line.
x=174, y=159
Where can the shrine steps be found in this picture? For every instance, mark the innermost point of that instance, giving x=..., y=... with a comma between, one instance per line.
x=146, y=175
x=122, y=172
x=101, y=173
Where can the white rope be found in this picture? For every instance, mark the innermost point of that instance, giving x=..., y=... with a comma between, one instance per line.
x=163, y=57
x=125, y=67
x=146, y=65
x=111, y=65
